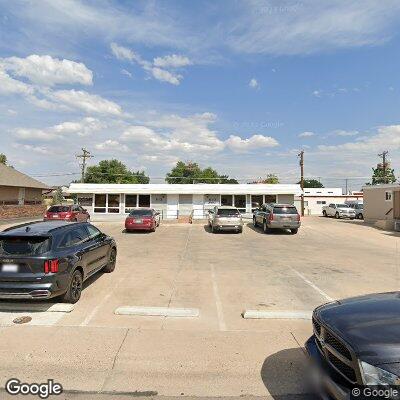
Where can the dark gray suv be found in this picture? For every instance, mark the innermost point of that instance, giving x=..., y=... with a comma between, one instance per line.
x=48, y=259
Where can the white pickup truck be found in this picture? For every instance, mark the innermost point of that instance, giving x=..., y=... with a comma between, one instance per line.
x=338, y=211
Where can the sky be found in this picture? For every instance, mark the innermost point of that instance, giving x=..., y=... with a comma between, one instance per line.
x=241, y=86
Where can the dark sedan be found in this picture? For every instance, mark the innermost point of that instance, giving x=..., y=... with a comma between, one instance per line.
x=48, y=259
x=356, y=344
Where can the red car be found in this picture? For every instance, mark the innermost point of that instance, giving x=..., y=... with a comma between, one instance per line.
x=74, y=213
x=142, y=219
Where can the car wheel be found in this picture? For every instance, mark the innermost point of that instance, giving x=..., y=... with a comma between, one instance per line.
x=360, y=216
x=294, y=231
x=213, y=229
x=240, y=230
x=265, y=227
x=254, y=222
x=324, y=213
x=153, y=229
x=112, y=259
x=73, y=294
x=337, y=215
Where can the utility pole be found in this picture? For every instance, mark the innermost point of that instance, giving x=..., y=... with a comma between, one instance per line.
x=347, y=180
x=384, y=165
x=301, y=155
x=84, y=156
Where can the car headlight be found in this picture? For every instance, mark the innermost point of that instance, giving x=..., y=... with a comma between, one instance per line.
x=377, y=376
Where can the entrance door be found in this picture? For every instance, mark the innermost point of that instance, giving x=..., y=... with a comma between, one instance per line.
x=185, y=204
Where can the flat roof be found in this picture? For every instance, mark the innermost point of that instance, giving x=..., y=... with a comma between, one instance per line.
x=165, y=188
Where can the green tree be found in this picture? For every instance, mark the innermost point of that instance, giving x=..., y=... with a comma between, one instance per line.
x=312, y=183
x=383, y=175
x=190, y=172
x=113, y=171
x=3, y=159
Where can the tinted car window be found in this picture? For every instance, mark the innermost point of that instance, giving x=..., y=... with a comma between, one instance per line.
x=58, y=209
x=141, y=213
x=27, y=246
x=93, y=232
x=285, y=210
x=341, y=205
x=74, y=237
x=227, y=212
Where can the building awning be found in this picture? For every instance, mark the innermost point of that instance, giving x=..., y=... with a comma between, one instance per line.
x=86, y=188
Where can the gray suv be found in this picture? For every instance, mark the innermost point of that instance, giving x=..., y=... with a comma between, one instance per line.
x=358, y=208
x=277, y=216
x=222, y=218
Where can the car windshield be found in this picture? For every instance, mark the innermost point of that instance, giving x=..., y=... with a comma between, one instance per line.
x=140, y=213
x=24, y=246
x=285, y=210
x=58, y=209
x=224, y=212
x=342, y=206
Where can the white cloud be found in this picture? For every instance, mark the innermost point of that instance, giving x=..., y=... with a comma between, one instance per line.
x=306, y=134
x=253, y=83
x=9, y=85
x=30, y=148
x=85, y=101
x=48, y=71
x=154, y=69
x=340, y=132
x=387, y=137
x=238, y=144
x=122, y=53
x=172, y=61
x=112, y=146
x=84, y=127
x=126, y=72
x=317, y=93
x=166, y=76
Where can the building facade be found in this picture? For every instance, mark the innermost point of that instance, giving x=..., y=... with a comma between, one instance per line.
x=180, y=200
x=382, y=205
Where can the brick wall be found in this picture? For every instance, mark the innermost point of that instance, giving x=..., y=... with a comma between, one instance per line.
x=9, y=212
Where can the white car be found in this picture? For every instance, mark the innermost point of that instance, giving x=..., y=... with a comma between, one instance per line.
x=338, y=211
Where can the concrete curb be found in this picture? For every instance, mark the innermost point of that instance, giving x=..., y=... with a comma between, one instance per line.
x=157, y=311
x=256, y=314
x=36, y=307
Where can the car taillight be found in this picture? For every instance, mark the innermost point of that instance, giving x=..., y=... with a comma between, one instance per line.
x=270, y=217
x=51, y=266
x=298, y=217
x=68, y=215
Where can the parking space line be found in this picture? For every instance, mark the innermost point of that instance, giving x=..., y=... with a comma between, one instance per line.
x=218, y=303
x=105, y=299
x=315, y=287
x=157, y=311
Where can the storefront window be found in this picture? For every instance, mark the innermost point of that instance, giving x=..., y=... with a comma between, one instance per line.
x=130, y=202
x=226, y=200
x=113, y=203
x=240, y=202
x=256, y=201
x=100, y=203
x=270, y=198
x=144, y=200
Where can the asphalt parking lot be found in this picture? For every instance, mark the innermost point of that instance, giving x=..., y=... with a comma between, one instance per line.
x=218, y=353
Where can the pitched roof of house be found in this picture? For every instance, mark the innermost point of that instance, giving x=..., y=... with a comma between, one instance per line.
x=11, y=177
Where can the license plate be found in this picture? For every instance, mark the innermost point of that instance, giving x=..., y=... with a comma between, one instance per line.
x=55, y=216
x=10, y=268
x=138, y=221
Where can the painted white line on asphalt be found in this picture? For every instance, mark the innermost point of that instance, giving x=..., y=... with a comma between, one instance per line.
x=218, y=303
x=257, y=314
x=36, y=307
x=315, y=287
x=96, y=309
x=157, y=311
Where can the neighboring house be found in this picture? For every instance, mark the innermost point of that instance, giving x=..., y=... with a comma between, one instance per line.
x=17, y=188
x=382, y=205
x=180, y=200
x=316, y=198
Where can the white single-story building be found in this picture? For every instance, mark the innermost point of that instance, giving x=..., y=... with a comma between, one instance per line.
x=316, y=198
x=180, y=200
